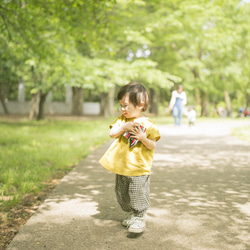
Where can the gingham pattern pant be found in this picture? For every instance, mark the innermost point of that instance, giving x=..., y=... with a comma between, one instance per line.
x=132, y=193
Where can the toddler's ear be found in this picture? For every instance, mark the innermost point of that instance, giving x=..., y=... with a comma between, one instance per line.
x=141, y=106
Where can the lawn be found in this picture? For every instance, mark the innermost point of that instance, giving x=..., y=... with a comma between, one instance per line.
x=242, y=133
x=33, y=153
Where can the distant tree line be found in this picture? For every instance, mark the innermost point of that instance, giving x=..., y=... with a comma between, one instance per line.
x=96, y=46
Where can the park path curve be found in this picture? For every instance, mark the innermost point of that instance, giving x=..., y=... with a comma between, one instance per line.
x=200, y=198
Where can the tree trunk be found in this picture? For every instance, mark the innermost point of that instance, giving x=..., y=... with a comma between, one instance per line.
x=90, y=97
x=111, y=99
x=42, y=100
x=34, y=105
x=154, y=102
x=163, y=97
x=204, y=104
x=247, y=100
x=77, y=102
x=6, y=112
x=104, y=104
x=197, y=97
x=107, y=103
x=228, y=102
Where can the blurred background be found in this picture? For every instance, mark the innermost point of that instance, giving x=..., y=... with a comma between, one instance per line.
x=70, y=57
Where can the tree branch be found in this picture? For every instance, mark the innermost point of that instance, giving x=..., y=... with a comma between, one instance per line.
x=6, y=25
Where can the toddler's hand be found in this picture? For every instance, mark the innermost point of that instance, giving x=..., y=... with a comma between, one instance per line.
x=138, y=134
x=129, y=126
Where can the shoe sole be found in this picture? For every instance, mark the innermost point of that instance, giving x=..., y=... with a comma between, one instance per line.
x=136, y=230
x=124, y=224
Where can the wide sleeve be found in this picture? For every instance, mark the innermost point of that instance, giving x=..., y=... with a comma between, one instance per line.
x=153, y=132
x=173, y=98
x=184, y=98
x=118, y=122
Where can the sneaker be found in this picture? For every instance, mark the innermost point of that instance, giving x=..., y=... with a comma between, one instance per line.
x=128, y=220
x=138, y=225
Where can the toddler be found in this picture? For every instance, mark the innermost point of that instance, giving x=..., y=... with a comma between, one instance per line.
x=131, y=154
x=191, y=115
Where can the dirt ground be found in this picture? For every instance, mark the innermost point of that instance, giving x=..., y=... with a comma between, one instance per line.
x=12, y=220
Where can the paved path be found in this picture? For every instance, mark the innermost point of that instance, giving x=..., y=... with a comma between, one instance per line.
x=200, y=190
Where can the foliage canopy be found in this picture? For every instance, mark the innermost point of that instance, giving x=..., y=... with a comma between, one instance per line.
x=98, y=45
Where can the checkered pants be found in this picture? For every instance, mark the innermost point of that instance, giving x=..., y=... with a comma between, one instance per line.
x=132, y=193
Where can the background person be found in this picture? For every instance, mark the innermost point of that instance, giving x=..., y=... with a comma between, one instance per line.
x=177, y=102
x=191, y=115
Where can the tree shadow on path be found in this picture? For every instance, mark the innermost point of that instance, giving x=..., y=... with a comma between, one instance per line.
x=200, y=188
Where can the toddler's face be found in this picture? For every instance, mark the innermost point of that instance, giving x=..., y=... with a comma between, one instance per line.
x=128, y=109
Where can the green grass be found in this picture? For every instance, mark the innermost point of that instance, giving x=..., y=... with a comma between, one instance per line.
x=162, y=120
x=169, y=119
x=242, y=133
x=32, y=153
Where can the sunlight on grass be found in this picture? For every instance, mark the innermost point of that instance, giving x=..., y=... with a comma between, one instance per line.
x=34, y=152
x=162, y=120
x=242, y=133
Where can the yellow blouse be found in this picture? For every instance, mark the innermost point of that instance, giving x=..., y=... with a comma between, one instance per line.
x=135, y=161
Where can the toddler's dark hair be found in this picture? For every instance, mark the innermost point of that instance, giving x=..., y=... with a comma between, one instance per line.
x=138, y=94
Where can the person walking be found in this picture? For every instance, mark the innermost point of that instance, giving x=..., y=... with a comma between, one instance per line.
x=130, y=156
x=177, y=102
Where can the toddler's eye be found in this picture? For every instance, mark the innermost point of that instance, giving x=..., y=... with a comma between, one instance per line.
x=124, y=107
